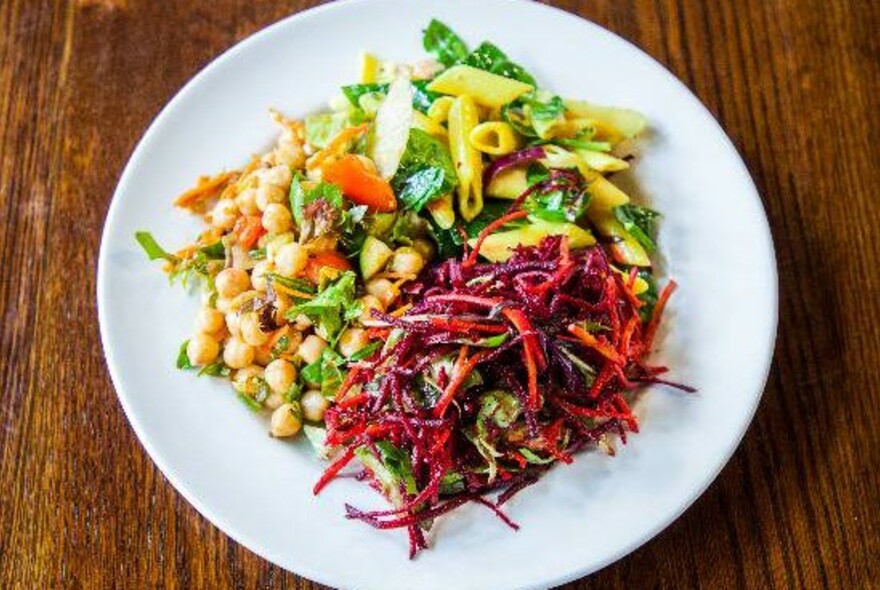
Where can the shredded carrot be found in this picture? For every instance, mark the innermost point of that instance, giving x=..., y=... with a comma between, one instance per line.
x=206, y=187
x=337, y=145
x=592, y=342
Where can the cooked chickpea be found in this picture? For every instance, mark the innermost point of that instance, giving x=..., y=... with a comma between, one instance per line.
x=258, y=274
x=231, y=282
x=233, y=323
x=368, y=304
x=406, y=260
x=247, y=201
x=209, y=320
x=311, y=348
x=223, y=305
x=302, y=322
x=351, y=341
x=224, y=214
x=382, y=289
x=280, y=375
x=237, y=353
x=273, y=401
x=202, y=349
x=285, y=421
x=251, y=332
x=247, y=380
x=279, y=176
x=269, y=194
x=282, y=304
x=291, y=259
x=277, y=218
x=262, y=355
x=314, y=404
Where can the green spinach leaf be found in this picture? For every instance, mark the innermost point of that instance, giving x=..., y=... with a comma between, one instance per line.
x=442, y=43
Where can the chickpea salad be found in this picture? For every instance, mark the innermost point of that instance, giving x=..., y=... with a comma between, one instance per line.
x=434, y=280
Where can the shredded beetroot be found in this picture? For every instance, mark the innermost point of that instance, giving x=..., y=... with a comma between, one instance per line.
x=494, y=373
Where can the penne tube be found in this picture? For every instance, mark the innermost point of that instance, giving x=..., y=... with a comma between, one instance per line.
x=369, y=68
x=442, y=212
x=611, y=121
x=485, y=88
x=439, y=109
x=429, y=125
x=602, y=162
x=468, y=161
x=494, y=138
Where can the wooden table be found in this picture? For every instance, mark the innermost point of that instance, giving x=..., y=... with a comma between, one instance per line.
x=794, y=83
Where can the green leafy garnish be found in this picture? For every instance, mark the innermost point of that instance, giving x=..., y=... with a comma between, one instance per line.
x=300, y=198
x=581, y=144
x=422, y=97
x=558, y=205
x=442, y=43
x=252, y=404
x=215, y=251
x=488, y=57
x=638, y=221
x=332, y=308
x=183, y=361
x=365, y=352
x=218, y=369
x=323, y=127
x=292, y=283
x=152, y=248
x=425, y=173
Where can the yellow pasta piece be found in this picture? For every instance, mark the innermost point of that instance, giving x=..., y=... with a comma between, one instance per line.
x=429, y=125
x=439, y=109
x=484, y=87
x=603, y=194
x=369, y=68
x=494, y=138
x=602, y=162
x=625, y=249
x=626, y=122
x=468, y=161
x=508, y=184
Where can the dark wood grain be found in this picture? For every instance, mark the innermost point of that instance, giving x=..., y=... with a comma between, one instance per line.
x=795, y=84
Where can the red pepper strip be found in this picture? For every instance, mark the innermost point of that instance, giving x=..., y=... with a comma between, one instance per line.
x=248, y=230
x=338, y=437
x=591, y=341
x=334, y=469
x=602, y=380
x=518, y=319
x=463, y=368
x=670, y=287
x=454, y=325
x=472, y=257
x=353, y=401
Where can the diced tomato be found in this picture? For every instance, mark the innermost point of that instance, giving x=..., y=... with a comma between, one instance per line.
x=360, y=183
x=330, y=258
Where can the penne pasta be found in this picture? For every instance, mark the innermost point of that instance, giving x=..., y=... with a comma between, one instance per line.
x=369, y=68
x=483, y=87
x=429, y=125
x=439, y=109
x=602, y=162
x=626, y=122
x=468, y=161
x=495, y=138
x=442, y=212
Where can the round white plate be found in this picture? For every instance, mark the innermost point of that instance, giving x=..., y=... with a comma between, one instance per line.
x=720, y=326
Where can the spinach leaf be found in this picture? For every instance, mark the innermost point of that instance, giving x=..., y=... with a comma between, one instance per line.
x=332, y=308
x=536, y=173
x=488, y=57
x=422, y=97
x=558, y=205
x=449, y=241
x=638, y=221
x=353, y=92
x=426, y=171
x=442, y=43
x=152, y=248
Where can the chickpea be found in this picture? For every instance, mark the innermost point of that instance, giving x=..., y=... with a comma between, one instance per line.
x=291, y=259
x=247, y=380
x=273, y=401
x=209, y=320
x=258, y=275
x=223, y=305
x=242, y=298
x=302, y=322
x=269, y=194
x=314, y=404
x=285, y=421
x=351, y=341
x=231, y=282
x=224, y=214
x=280, y=375
x=282, y=304
x=311, y=348
x=251, y=332
x=277, y=218
x=237, y=353
x=279, y=176
x=406, y=260
x=247, y=201
x=202, y=349
x=233, y=323
x=368, y=304
x=382, y=289
x=262, y=355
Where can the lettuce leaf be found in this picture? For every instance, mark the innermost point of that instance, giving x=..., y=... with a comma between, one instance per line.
x=332, y=309
x=488, y=57
x=425, y=173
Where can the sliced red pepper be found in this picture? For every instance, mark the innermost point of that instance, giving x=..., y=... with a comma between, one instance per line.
x=360, y=183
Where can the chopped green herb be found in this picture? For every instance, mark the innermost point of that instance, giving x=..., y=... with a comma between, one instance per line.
x=638, y=221
x=443, y=44
x=152, y=248
x=218, y=369
x=183, y=361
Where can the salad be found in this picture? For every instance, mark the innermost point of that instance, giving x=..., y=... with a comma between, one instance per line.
x=435, y=280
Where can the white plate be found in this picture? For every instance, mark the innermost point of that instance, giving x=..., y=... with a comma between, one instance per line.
x=721, y=323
